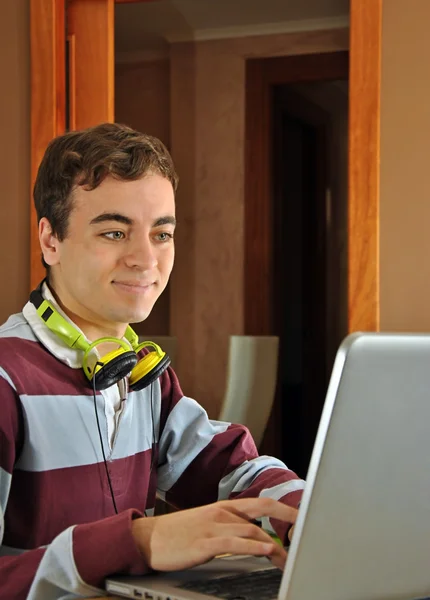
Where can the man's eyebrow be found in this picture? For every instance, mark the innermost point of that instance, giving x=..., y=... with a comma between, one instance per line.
x=103, y=217
x=165, y=221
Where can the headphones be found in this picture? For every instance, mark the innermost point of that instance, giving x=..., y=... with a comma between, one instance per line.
x=115, y=365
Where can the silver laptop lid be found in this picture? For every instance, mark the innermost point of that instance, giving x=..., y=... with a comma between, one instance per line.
x=363, y=531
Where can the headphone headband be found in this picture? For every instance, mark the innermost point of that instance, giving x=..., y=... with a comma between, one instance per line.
x=57, y=323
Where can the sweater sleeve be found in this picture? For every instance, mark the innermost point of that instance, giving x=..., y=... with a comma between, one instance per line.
x=78, y=560
x=75, y=563
x=202, y=461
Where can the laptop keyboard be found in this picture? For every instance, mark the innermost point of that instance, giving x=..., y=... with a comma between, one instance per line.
x=257, y=585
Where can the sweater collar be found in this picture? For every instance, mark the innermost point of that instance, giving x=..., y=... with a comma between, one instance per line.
x=70, y=356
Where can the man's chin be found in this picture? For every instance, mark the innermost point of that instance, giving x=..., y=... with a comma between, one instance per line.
x=135, y=320
x=137, y=316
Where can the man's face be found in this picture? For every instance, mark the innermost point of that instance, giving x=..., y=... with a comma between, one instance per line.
x=118, y=254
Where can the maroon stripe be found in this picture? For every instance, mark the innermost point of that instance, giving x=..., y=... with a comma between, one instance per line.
x=225, y=453
x=11, y=426
x=43, y=504
x=17, y=574
x=35, y=371
x=107, y=547
x=171, y=393
x=292, y=499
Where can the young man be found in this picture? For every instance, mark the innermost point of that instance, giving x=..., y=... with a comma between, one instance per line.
x=84, y=445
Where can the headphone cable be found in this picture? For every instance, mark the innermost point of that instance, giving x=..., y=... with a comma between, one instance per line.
x=154, y=442
x=101, y=443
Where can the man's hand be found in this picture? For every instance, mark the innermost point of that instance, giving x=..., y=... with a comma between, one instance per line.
x=191, y=537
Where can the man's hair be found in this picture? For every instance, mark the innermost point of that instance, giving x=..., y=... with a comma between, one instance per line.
x=86, y=158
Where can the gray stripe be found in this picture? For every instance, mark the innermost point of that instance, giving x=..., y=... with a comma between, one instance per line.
x=5, y=483
x=138, y=425
x=282, y=489
x=241, y=478
x=7, y=378
x=57, y=576
x=279, y=491
x=61, y=431
x=17, y=327
x=187, y=432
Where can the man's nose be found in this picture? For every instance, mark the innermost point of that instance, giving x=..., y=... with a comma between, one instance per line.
x=141, y=254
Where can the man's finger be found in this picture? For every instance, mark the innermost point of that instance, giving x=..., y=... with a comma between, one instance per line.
x=243, y=529
x=253, y=508
x=217, y=546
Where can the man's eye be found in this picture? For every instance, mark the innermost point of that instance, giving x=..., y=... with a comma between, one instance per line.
x=164, y=236
x=114, y=235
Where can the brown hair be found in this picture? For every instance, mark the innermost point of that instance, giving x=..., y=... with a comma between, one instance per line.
x=86, y=158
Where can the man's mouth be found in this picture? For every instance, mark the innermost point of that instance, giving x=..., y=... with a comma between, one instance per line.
x=134, y=287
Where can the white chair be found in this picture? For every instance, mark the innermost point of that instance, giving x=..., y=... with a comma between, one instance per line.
x=251, y=382
x=167, y=343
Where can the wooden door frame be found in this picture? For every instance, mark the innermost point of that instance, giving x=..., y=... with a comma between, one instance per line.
x=48, y=98
x=363, y=166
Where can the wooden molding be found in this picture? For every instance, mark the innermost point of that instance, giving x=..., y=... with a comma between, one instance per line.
x=91, y=23
x=364, y=157
x=259, y=29
x=48, y=98
x=71, y=41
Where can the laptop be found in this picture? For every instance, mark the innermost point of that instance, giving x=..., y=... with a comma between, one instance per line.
x=363, y=529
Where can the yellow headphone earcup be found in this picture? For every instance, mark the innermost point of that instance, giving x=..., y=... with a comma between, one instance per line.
x=148, y=369
x=145, y=366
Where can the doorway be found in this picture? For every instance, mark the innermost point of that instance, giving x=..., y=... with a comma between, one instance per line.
x=310, y=147
x=304, y=300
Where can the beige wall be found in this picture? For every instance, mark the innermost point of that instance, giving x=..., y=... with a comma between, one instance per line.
x=14, y=155
x=207, y=133
x=142, y=97
x=405, y=170
x=142, y=100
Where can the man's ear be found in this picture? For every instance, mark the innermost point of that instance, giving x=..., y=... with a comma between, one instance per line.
x=48, y=242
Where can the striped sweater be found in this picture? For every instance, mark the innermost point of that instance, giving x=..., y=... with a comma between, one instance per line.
x=60, y=536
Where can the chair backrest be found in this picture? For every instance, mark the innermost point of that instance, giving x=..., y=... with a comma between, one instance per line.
x=167, y=343
x=251, y=382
